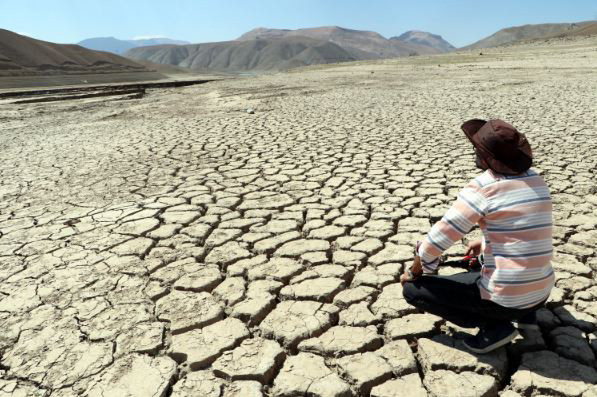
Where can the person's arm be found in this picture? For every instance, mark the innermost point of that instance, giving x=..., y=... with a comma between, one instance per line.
x=467, y=210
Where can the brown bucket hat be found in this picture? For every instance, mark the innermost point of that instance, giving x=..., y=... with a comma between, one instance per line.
x=500, y=145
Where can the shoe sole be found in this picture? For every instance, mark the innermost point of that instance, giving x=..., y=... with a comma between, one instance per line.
x=527, y=327
x=496, y=345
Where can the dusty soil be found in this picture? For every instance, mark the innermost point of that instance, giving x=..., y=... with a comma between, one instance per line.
x=180, y=245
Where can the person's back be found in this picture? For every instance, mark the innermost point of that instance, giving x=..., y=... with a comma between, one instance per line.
x=517, y=230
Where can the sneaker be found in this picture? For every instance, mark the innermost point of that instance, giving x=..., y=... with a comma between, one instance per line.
x=527, y=322
x=490, y=338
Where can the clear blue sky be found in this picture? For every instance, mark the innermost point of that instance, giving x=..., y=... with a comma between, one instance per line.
x=459, y=21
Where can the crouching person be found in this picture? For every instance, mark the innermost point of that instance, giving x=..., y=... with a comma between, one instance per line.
x=512, y=206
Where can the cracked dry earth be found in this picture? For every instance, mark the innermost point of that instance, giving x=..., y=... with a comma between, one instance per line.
x=177, y=245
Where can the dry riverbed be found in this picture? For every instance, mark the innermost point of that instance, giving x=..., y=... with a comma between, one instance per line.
x=178, y=245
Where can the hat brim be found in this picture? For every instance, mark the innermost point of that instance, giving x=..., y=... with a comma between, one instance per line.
x=471, y=127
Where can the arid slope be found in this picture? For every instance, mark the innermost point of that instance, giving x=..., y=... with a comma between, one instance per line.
x=250, y=55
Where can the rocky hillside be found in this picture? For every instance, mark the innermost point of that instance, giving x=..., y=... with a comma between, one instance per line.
x=587, y=29
x=22, y=55
x=425, y=39
x=245, y=55
x=359, y=43
x=527, y=32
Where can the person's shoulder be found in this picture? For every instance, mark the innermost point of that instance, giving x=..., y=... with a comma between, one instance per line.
x=479, y=184
x=485, y=179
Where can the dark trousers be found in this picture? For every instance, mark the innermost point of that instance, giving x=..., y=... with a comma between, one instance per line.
x=457, y=299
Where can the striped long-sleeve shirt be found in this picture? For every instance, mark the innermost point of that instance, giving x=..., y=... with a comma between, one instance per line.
x=515, y=215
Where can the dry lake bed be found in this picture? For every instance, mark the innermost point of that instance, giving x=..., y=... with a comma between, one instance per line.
x=180, y=245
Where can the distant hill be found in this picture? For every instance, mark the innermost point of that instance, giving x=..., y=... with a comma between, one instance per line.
x=587, y=29
x=527, y=32
x=118, y=46
x=22, y=57
x=247, y=55
x=425, y=39
x=109, y=44
x=360, y=44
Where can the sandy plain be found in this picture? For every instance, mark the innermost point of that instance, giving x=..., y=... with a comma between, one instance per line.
x=177, y=245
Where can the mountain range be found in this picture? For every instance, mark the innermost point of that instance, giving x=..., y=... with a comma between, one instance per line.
x=245, y=55
x=361, y=44
x=117, y=46
x=35, y=62
x=265, y=49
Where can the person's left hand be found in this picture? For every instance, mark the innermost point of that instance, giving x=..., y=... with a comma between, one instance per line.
x=416, y=269
x=405, y=278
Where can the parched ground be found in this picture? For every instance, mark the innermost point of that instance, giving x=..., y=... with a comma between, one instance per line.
x=178, y=245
